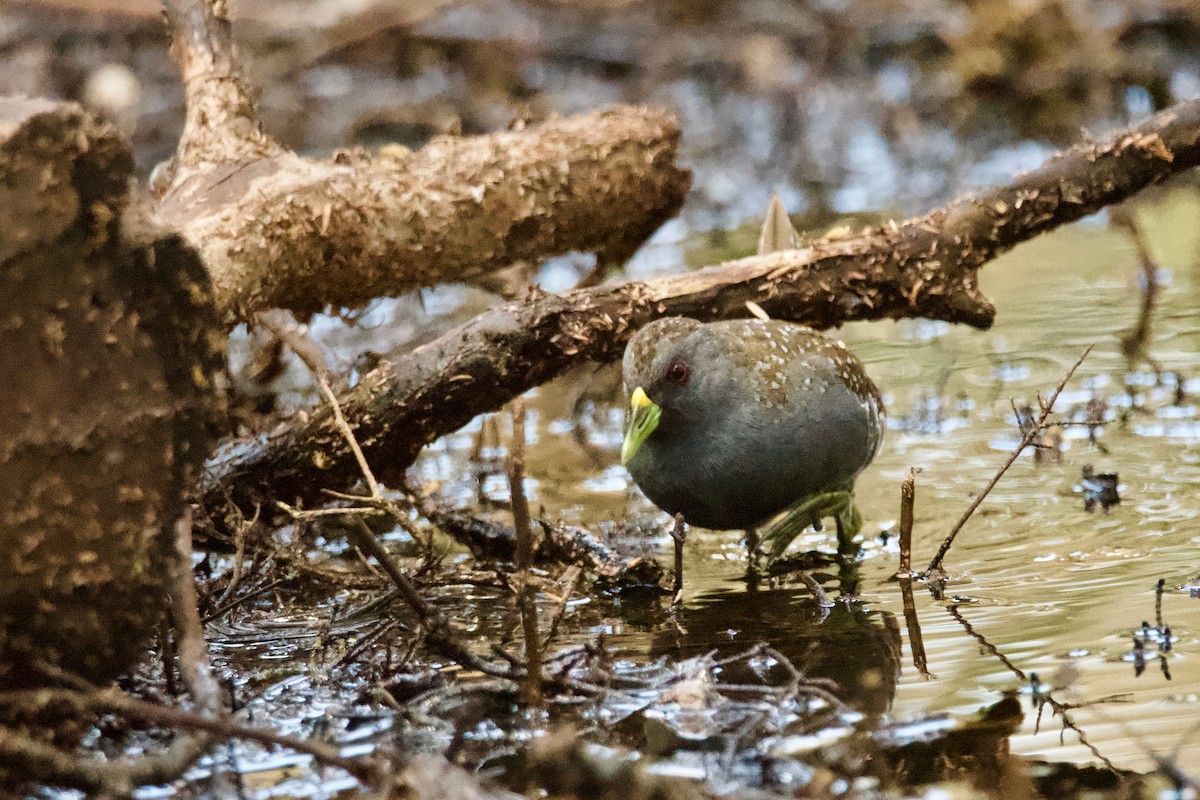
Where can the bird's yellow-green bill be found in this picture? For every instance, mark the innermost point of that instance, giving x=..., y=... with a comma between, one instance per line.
x=642, y=422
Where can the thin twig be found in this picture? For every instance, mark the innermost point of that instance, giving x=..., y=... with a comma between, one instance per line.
x=1158, y=596
x=239, y=537
x=340, y=511
x=366, y=641
x=238, y=601
x=191, y=648
x=532, y=688
x=351, y=439
x=1030, y=434
x=194, y=665
x=364, y=538
x=288, y=331
x=908, y=494
x=679, y=536
x=566, y=583
x=397, y=512
x=516, y=479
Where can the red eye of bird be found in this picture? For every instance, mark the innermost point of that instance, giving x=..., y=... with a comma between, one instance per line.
x=678, y=373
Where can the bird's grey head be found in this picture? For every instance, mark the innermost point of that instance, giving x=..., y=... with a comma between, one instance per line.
x=675, y=361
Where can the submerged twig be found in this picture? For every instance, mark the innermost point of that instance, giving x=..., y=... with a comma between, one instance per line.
x=1030, y=433
x=1135, y=342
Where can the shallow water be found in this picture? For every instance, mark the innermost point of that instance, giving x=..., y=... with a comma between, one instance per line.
x=1044, y=598
x=1055, y=590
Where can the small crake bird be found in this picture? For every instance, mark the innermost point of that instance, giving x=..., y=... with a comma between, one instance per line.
x=735, y=423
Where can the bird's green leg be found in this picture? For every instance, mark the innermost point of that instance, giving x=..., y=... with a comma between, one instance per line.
x=838, y=504
x=849, y=524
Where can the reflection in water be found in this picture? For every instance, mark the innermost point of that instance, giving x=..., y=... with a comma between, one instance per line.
x=975, y=751
x=857, y=649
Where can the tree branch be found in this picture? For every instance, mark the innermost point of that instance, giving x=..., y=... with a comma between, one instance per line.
x=221, y=124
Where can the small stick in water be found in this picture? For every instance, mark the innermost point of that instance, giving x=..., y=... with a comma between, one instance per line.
x=1158, y=594
x=524, y=588
x=908, y=494
x=679, y=534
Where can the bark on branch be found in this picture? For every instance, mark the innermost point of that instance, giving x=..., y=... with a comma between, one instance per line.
x=926, y=267
x=278, y=230
x=294, y=233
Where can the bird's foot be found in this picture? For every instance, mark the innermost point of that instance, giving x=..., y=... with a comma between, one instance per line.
x=838, y=504
x=849, y=525
x=754, y=555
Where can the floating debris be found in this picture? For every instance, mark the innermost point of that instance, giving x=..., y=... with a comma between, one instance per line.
x=1099, y=488
x=1157, y=636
